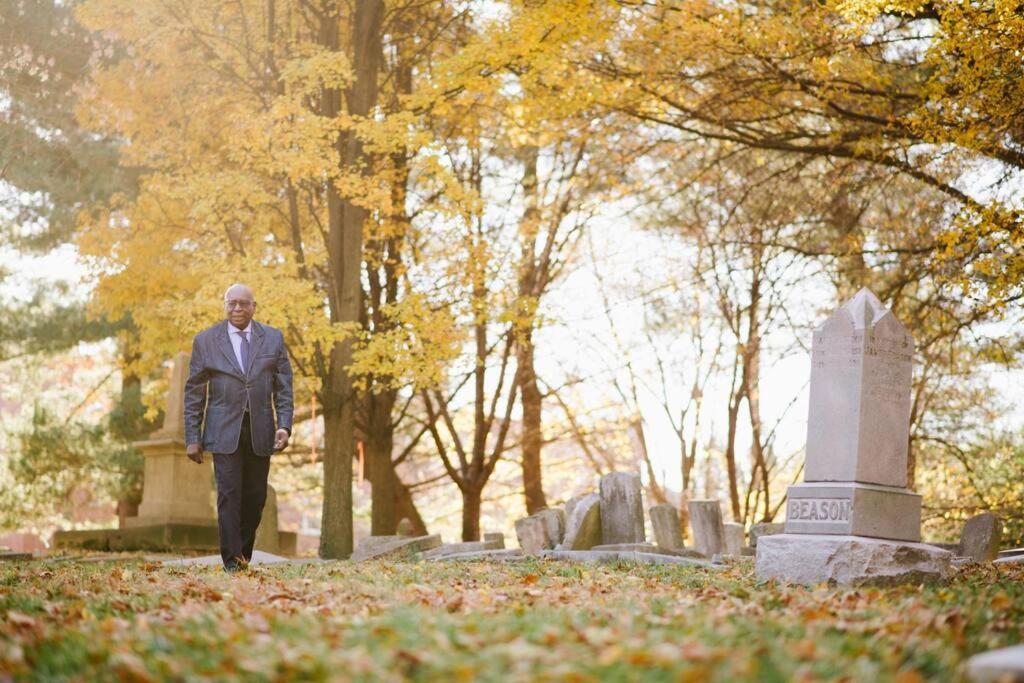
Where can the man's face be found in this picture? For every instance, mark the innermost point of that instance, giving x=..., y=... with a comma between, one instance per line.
x=239, y=306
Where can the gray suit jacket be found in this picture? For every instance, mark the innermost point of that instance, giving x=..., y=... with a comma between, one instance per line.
x=218, y=389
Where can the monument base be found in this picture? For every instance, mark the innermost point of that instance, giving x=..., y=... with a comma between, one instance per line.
x=156, y=537
x=849, y=560
x=853, y=509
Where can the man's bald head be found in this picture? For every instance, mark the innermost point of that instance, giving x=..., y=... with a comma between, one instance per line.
x=239, y=305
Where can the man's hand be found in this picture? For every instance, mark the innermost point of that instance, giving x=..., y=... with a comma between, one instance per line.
x=280, y=439
x=194, y=451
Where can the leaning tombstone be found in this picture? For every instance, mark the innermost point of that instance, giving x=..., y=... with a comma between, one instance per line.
x=668, y=532
x=622, y=508
x=707, y=527
x=583, y=523
x=980, y=538
x=853, y=520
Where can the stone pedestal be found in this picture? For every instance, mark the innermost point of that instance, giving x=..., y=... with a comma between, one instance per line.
x=849, y=560
x=852, y=508
x=175, y=490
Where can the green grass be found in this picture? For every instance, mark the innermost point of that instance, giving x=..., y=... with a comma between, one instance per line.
x=133, y=621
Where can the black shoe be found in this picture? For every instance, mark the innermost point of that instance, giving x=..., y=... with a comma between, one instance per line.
x=236, y=566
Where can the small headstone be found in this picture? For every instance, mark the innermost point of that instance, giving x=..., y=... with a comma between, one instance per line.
x=583, y=523
x=764, y=529
x=405, y=527
x=267, y=538
x=1005, y=665
x=734, y=534
x=532, y=534
x=980, y=538
x=622, y=508
x=495, y=537
x=707, y=527
x=668, y=532
x=554, y=522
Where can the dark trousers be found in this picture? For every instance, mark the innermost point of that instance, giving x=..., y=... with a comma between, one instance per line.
x=241, y=492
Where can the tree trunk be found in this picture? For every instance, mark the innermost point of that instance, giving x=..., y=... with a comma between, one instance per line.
x=526, y=374
x=530, y=400
x=383, y=514
x=405, y=508
x=730, y=454
x=471, y=497
x=339, y=446
x=345, y=254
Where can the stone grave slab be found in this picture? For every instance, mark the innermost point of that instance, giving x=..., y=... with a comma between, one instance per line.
x=649, y=548
x=596, y=556
x=460, y=548
x=403, y=546
x=501, y=555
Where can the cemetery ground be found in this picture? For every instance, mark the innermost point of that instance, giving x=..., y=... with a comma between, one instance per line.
x=532, y=619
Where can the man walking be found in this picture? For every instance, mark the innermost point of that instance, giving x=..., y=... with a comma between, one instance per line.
x=239, y=377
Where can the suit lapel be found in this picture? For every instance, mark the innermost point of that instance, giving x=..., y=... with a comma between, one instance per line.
x=257, y=341
x=224, y=344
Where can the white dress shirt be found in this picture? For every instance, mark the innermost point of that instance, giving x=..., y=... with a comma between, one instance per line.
x=236, y=341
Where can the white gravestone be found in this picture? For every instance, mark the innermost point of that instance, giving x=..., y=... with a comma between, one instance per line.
x=858, y=426
x=852, y=519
